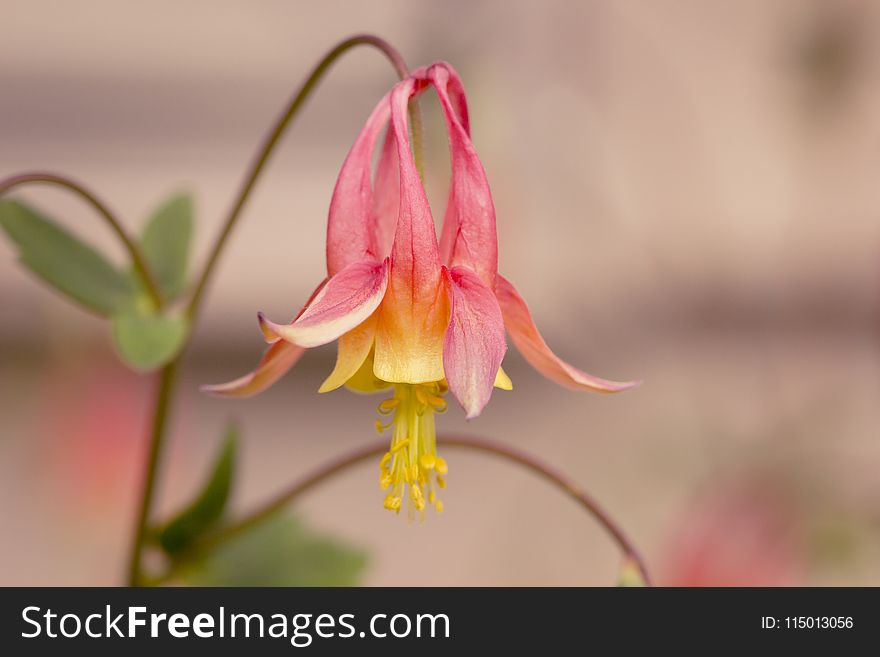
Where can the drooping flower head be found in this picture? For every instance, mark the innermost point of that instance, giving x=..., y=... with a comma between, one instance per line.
x=410, y=313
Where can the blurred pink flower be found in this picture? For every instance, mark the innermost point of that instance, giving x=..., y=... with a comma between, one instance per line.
x=739, y=534
x=95, y=427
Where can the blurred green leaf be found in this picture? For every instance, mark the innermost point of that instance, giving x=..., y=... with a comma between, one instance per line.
x=166, y=242
x=148, y=340
x=207, y=508
x=67, y=264
x=281, y=551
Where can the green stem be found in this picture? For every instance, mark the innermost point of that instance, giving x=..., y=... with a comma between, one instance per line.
x=274, y=136
x=168, y=376
x=134, y=251
x=160, y=422
x=322, y=473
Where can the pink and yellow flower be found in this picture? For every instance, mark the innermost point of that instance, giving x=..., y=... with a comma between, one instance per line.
x=410, y=312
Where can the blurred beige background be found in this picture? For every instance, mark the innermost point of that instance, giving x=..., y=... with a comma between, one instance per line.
x=687, y=193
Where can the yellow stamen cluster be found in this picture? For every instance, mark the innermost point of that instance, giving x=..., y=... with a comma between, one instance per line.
x=411, y=468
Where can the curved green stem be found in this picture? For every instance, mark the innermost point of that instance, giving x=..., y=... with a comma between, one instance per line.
x=274, y=136
x=325, y=472
x=168, y=376
x=134, y=251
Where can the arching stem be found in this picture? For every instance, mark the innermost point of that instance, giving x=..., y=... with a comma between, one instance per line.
x=168, y=378
x=137, y=258
x=274, y=136
x=345, y=461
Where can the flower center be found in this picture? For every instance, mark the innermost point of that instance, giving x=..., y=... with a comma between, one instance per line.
x=411, y=468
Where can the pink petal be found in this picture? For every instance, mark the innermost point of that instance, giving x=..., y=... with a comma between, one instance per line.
x=278, y=358
x=413, y=319
x=474, y=346
x=415, y=253
x=409, y=337
x=468, y=236
x=272, y=337
x=350, y=225
x=386, y=196
x=345, y=301
x=531, y=345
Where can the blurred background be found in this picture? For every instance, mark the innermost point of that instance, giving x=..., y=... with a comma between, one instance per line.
x=687, y=193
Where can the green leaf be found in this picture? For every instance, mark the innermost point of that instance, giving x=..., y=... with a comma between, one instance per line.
x=148, y=340
x=67, y=264
x=165, y=243
x=280, y=551
x=207, y=508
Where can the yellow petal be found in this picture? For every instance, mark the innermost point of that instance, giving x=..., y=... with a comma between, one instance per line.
x=353, y=349
x=364, y=381
x=503, y=381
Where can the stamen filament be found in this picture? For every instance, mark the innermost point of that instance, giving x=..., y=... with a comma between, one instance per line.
x=411, y=467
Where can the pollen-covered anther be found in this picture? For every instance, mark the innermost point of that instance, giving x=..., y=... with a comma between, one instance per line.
x=441, y=466
x=421, y=396
x=392, y=502
x=417, y=498
x=427, y=461
x=388, y=406
x=437, y=403
x=385, y=480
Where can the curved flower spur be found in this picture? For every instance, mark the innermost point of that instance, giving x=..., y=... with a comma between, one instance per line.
x=410, y=313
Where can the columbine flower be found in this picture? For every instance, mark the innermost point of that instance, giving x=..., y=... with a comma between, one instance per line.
x=410, y=313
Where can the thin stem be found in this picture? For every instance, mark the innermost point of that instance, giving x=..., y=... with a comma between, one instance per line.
x=565, y=484
x=134, y=251
x=160, y=421
x=167, y=379
x=374, y=449
x=274, y=136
